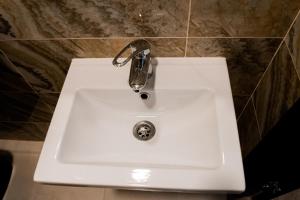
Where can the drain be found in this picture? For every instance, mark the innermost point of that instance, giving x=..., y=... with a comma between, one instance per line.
x=144, y=95
x=144, y=130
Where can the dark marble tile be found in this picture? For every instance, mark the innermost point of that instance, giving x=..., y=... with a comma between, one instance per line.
x=50, y=99
x=91, y=18
x=264, y=18
x=23, y=130
x=247, y=59
x=293, y=41
x=10, y=78
x=248, y=129
x=42, y=63
x=239, y=104
x=277, y=92
x=25, y=107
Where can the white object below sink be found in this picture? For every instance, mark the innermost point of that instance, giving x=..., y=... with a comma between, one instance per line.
x=195, y=147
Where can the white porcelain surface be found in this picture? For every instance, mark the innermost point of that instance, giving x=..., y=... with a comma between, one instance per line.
x=195, y=148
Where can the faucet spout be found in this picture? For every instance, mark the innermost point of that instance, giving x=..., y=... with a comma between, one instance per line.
x=140, y=70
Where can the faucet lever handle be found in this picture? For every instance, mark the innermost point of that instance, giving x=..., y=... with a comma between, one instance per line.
x=120, y=64
x=136, y=49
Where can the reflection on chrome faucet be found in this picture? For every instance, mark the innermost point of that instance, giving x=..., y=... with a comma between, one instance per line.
x=141, y=69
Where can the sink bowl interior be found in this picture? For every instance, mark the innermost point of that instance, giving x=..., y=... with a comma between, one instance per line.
x=101, y=123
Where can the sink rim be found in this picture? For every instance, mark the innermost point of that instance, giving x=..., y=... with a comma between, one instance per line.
x=231, y=170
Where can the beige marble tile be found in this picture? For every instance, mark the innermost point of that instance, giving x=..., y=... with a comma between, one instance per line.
x=113, y=194
x=187, y=196
x=91, y=18
x=21, y=183
x=264, y=18
x=53, y=192
x=98, y=48
x=21, y=146
x=247, y=58
x=293, y=195
x=167, y=47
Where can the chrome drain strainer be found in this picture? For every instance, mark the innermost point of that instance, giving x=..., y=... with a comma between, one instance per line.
x=143, y=130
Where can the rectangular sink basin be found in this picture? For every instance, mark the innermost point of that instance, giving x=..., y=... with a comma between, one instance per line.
x=171, y=111
x=195, y=146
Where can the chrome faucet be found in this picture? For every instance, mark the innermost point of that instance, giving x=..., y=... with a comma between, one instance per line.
x=140, y=70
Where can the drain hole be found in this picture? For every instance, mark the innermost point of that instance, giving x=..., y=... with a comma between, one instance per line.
x=144, y=130
x=144, y=96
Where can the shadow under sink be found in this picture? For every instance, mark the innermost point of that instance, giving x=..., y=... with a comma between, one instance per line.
x=6, y=161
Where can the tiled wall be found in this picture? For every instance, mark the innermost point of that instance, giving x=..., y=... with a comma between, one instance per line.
x=276, y=92
x=41, y=37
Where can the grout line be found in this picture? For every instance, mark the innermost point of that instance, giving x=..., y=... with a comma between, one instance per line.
x=235, y=37
x=186, y=46
x=269, y=65
x=243, y=110
x=187, y=28
x=104, y=193
x=43, y=92
x=283, y=40
x=258, y=83
x=293, y=61
x=291, y=26
x=116, y=38
x=89, y=38
x=255, y=113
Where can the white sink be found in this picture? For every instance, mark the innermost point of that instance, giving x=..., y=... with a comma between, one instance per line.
x=195, y=147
